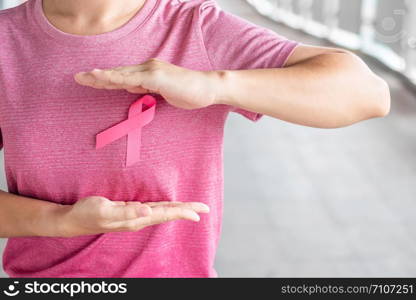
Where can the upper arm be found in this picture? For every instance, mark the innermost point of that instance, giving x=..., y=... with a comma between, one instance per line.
x=304, y=52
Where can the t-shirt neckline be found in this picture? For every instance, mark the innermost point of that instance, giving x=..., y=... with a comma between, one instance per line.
x=74, y=40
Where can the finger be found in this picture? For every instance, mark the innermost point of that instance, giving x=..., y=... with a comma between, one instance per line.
x=198, y=207
x=151, y=204
x=127, y=203
x=121, y=212
x=116, y=78
x=138, y=90
x=164, y=213
x=120, y=202
x=146, y=203
x=129, y=69
x=84, y=78
x=113, y=87
x=160, y=214
x=97, y=79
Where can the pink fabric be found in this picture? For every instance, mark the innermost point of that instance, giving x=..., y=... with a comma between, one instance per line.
x=49, y=125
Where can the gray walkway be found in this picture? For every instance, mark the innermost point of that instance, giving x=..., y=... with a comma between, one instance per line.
x=309, y=202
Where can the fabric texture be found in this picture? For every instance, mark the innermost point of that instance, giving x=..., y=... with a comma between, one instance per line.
x=48, y=126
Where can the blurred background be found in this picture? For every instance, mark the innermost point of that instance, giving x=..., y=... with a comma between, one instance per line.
x=304, y=202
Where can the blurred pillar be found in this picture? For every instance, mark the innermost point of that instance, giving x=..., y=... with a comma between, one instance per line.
x=410, y=41
x=368, y=16
x=331, y=15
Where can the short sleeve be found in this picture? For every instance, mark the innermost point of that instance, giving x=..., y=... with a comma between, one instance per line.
x=233, y=43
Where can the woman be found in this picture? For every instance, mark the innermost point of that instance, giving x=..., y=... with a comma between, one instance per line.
x=149, y=202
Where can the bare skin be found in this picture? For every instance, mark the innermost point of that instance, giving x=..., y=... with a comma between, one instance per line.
x=319, y=87
x=25, y=216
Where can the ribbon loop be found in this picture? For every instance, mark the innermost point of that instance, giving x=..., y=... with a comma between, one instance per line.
x=141, y=113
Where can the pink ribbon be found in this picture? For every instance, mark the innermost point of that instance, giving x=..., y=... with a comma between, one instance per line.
x=139, y=116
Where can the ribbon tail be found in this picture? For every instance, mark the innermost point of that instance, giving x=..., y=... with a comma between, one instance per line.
x=133, y=147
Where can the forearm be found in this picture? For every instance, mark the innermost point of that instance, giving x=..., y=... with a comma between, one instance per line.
x=328, y=91
x=23, y=216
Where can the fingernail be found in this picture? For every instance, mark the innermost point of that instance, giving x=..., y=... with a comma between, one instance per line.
x=201, y=207
x=196, y=217
x=205, y=208
x=79, y=75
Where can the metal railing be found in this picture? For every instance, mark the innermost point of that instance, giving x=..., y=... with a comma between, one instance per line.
x=9, y=3
x=384, y=29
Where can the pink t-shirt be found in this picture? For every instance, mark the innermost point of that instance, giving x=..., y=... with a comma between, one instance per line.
x=49, y=123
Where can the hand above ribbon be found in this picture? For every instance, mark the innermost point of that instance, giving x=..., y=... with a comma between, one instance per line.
x=180, y=87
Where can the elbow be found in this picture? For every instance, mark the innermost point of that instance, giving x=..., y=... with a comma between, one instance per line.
x=375, y=103
x=381, y=100
x=370, y=87
x=371, y=95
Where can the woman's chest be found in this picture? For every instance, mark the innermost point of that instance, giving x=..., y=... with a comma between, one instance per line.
x=48, y=120
x=63, y=133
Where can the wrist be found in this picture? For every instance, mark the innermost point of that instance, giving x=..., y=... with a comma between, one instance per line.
x=222, y=86
x=62, y=219
x=51, y=221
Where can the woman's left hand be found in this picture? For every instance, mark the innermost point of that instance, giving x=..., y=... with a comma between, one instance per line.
x=180, y=87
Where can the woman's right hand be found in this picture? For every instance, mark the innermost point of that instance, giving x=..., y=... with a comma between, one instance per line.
x=96, y=214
